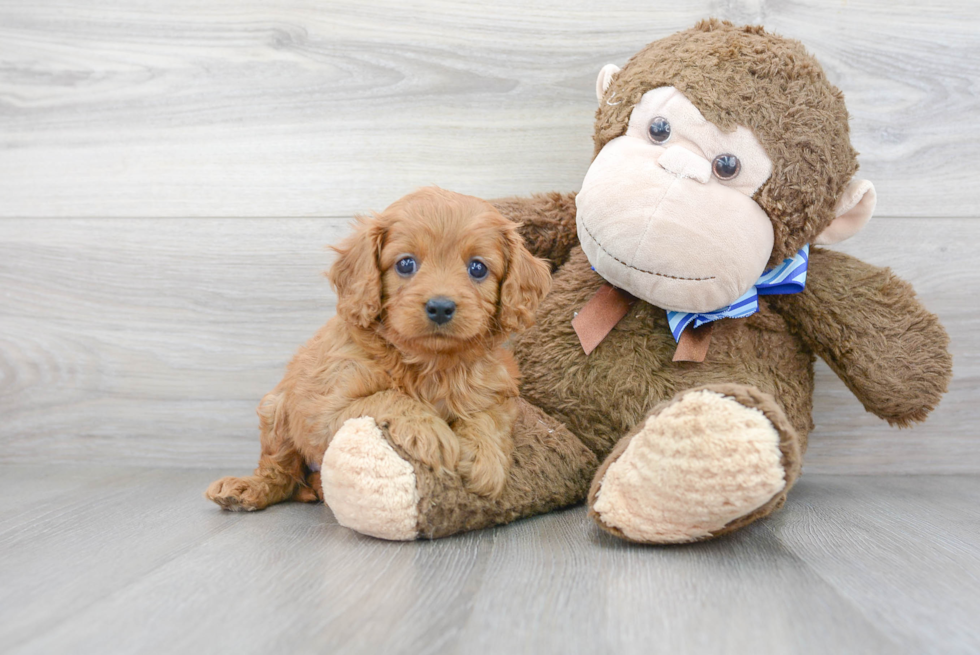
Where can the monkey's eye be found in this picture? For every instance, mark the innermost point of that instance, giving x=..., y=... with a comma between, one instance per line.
x=406, y=266
x=659, y=130
x=725, y=167
x=477, y=269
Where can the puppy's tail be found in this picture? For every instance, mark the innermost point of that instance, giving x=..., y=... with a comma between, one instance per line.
x=272, y=416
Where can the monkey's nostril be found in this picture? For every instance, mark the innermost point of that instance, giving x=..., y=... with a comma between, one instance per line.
x=440, y=310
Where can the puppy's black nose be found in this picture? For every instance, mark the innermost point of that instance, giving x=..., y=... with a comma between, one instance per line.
x=440, y=310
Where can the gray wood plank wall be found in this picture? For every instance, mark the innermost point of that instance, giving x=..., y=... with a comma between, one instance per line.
x=169, y=175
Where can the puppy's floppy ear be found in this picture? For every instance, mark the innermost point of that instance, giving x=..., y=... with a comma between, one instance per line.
x=525, y=284
x=356, y=274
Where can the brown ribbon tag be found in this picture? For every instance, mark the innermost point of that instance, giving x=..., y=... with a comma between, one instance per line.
x=600, y=315
x=693, y=344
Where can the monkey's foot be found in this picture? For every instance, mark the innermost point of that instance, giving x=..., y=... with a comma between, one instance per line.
x=701, y=466
x=374, y=487
x=367, y=485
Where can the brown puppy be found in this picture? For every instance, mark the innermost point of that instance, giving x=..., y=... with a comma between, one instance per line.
x=427, y=292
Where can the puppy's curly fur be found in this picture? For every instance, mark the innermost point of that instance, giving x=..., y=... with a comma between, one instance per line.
x=445, y=390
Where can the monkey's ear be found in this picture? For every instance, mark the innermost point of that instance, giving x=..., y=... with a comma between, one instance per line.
x=356, y=275
x=852, y=213
x=605, y=77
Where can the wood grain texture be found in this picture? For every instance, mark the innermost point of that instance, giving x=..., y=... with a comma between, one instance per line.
x=141, y=563
x=901, y=522
x=298, y=108
x=141, y=336
x=151, y=341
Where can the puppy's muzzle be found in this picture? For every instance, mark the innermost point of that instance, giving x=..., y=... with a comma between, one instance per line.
x=440, y=310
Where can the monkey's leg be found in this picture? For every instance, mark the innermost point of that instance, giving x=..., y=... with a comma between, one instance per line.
x=707, y=462
x=374, y=487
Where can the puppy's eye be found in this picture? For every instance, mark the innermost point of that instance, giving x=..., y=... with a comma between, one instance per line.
x=406, y=266
x=478, y=270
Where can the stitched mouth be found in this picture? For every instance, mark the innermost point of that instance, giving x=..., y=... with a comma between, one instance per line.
x=664, y=275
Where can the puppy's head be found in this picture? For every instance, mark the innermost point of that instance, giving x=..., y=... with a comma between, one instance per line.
x=437, y=271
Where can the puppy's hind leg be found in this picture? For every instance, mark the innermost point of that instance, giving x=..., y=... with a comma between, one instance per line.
x=311, y=491
x=279, y=472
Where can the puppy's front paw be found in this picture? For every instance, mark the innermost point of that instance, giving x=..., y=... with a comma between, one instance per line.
x=427, y=439
x=484, y=469
x=237, y=494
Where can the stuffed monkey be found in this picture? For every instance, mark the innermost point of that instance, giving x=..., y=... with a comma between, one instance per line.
x=669, y=377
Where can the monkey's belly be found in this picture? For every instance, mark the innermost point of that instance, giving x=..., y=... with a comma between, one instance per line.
x=601, y=396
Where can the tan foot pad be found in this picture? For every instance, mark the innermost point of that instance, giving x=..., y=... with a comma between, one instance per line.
x=701, y=463
x=367, y=485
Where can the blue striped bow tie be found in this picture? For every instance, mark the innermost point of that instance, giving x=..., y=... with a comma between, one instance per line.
x=788, y=277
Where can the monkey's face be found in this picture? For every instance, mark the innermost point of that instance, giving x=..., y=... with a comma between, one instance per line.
x=666, y=211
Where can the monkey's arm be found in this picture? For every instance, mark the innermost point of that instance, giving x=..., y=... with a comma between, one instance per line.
x=867, y=324
x=547, y=223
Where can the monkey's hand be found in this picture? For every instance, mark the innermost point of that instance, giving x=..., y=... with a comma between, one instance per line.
x=547, y=223
x=867, y=324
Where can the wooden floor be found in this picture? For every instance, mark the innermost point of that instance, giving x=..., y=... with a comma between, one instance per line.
x=126, y=560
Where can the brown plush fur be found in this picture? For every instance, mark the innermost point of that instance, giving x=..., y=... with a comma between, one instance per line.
x=446, y=394
x=602, y=396
x=764, y=82
x=546, y=220
x=865, y=322
x=551, y=469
